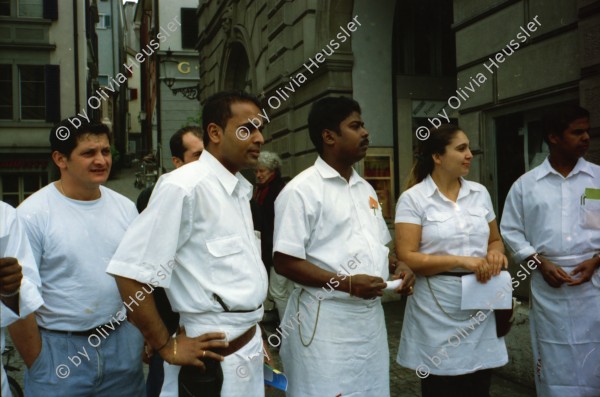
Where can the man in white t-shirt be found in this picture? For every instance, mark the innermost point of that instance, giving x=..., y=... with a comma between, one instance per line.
x=19, y=280
x=553, y=213
x=74, y=226
x=330, y=239
x=196, y=239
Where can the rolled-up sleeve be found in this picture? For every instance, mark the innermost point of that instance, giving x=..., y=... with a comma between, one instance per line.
x=148, y=249
x=512, y=226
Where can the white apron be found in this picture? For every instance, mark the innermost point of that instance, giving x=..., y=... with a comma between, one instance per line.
x=349, y=354
x=565, y=335
x=243, y=374
x=433, y=343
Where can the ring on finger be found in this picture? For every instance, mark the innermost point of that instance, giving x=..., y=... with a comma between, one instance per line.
x=203, y=353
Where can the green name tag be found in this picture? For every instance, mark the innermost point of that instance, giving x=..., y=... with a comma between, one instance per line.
x=592, y=194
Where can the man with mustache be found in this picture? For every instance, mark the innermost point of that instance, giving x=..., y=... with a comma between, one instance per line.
x=196, y=240
x=330, y=239
x=553, y=213
x=74, y=226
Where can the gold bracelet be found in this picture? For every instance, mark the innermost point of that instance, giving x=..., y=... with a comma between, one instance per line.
x=350, y=288
x=174, y=345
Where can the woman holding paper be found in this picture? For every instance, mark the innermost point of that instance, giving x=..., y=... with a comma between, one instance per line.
x=446, y=229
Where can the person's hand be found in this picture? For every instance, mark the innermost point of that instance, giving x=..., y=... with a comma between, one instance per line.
x=585, y=270
x=191, y=351
x=497, y=260
x=147, y=353
x=479, y=266
x=554, y=275
x=367, y=287
x=10, y=276
x=407, y=276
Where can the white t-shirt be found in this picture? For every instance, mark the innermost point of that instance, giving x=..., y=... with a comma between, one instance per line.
x=196, y=239
x=330, y=222
x=72, y=243
x=14, y=244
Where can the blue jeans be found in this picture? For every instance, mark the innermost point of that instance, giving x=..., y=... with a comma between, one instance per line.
x=71, y=365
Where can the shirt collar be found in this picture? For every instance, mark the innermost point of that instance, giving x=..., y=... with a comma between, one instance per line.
x=465, y=187
x=226, y=178
x=546, y=169
x=328, y=172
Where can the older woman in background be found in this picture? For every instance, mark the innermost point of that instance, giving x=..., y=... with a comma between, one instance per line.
x=268, y=186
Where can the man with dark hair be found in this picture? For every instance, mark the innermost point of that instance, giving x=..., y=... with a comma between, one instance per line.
x=196, y=240
x=74, y=226
x=552, y=213
x=186, y=146
x=330, y=239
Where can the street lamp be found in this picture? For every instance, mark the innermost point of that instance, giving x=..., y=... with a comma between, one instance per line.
x=168, y=65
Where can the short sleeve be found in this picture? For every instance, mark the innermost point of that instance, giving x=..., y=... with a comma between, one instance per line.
x=294, y=220
x=408, y=210
x=153, y=238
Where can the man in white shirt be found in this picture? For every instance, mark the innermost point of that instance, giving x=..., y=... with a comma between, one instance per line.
x=74, y=226
x=196, y=239
x=553, y=212
x=19, y=280
x=330, y=239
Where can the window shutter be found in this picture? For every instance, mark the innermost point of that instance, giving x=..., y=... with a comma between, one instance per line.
x=51, y=9
x=52, y=76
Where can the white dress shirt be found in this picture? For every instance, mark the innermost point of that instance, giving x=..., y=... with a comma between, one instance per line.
x=545, y=213
x=449, y=228
x=196, y=239
x=322, y=218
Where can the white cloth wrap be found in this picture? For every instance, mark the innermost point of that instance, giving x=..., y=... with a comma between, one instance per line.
x=349, y=354
x=565, y=324
x=461, y=347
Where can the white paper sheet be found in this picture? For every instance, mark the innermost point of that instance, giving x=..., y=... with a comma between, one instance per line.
x=392, y=285
x=495, y=294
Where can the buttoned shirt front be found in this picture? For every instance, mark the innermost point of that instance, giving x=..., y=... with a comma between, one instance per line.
x=196, y=239
x=334, y=224
x=448, y=228
x=548, y=213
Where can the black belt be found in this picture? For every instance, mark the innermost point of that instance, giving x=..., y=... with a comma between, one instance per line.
x=108, y=327
x=453, y=274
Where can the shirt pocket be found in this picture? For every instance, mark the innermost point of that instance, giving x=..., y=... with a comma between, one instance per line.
x=478, y=223
x=439, y=225
x=589, y=215
x=226, y=259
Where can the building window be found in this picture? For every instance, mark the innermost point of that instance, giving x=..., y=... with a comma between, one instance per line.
x=5, y=8
x=14, y=188
x=33, y=92
x=189, y=28
x=103, y=21
x=31, y=8
x=6, y=99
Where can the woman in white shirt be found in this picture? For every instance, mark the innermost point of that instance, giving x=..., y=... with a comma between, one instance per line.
x=446, y=228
